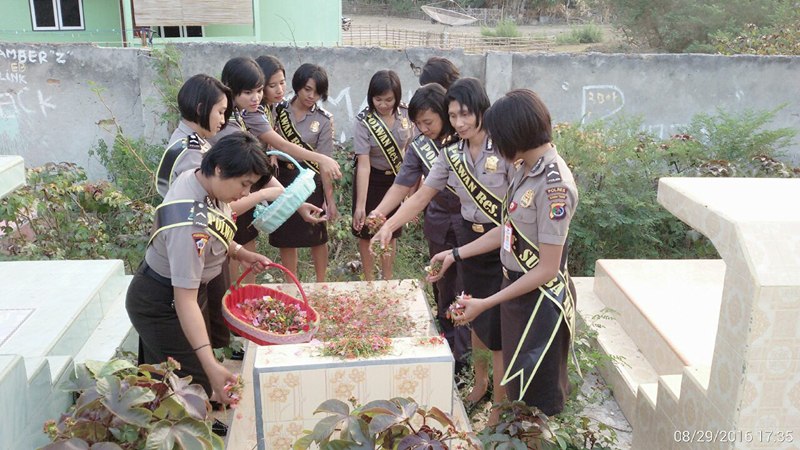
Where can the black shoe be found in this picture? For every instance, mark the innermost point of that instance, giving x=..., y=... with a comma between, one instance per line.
x=219, y=428
x=237, y=355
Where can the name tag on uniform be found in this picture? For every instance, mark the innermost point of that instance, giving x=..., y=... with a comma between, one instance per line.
x=507, y=237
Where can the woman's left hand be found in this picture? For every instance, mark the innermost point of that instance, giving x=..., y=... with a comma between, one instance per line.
x=256, y=262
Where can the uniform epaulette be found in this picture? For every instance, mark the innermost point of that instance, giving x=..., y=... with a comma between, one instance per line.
x=402, y=105
x=363, y=113
x=192, y=141
x=324, y=112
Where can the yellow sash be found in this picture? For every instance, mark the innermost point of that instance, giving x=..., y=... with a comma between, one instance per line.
x=385, y=139
x=291, y=134
x=427, y=151
x=490, y=204
x=526, y=253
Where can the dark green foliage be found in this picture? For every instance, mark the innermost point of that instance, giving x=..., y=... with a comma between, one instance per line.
x=60, y=215
x=688, y=25
x=617, y=168
x=125, y=407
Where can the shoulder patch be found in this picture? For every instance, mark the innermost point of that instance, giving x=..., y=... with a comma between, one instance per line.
x=556, y=193
x=200, y=242
x=558, y=210
x=552, y=174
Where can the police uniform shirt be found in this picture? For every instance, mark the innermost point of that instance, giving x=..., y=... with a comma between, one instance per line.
x=257, y=123
x=490, y=169
x=365, y=144
x=188, y=255
x=541, y=202
x=235, y=123
x=440, y=211
x=315, y=128
x=191, y=157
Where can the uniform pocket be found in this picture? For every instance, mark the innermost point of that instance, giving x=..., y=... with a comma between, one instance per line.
x=494, y=180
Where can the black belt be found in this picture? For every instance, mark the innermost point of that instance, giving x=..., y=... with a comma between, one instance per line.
x=478, y=227
x=512, y=275
x=155, y=275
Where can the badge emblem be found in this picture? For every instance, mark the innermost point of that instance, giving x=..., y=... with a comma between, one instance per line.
x=557, y=211
x=491, y=164
x=404, y=123
x=526, y=199
x=314, y=126
x=200, y=242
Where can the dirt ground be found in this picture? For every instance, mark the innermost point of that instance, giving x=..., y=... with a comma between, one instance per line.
x=543, y=30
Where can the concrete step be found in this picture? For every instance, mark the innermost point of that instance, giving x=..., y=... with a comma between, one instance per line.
x=12, y=174
x=626, y=376
x=55, y=304
x=670, y=308
x=113, y=332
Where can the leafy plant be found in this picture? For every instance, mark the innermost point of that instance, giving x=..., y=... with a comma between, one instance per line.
x=125, y=407
x=167, y=63
x=398, y=424
x=60, y=215
x=504, y=28
x=586, y=34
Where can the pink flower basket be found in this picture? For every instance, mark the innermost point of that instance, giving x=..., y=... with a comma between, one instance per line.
x=237, y=322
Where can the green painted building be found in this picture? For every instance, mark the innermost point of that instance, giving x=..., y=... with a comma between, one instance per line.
x=130, y=22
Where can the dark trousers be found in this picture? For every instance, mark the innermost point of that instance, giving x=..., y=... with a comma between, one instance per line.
x=150, y=307
x=215, y=323
x=483, y=275
x=444, y=292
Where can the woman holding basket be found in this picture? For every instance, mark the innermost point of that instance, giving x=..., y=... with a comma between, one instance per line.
x=188, y=249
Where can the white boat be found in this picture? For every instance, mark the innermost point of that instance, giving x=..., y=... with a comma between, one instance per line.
x=448, y=16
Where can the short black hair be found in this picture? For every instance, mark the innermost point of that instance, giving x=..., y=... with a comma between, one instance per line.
x=237, y=154
x=270, y=65
x=518, y=122
x=439, y=70
x=431, y=97
x=384, y=81
x=242, y=73
x=198, y=95
x=469, y=92
x=308, y=71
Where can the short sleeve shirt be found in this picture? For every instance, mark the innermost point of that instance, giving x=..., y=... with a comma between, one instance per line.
x=315, y=128
x=541, y=203
x=192, y=155
x=188, y=255
x=440, y=211
x=365, y=144
x=235, y=124
x=490, y=169
x=257, y=123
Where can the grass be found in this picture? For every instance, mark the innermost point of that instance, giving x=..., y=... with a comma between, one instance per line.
x=504, y=28
x=586, y=34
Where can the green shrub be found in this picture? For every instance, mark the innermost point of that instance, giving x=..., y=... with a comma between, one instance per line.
x=61, y=215
x=504, y=28
x=617, y=167
x=586, y=34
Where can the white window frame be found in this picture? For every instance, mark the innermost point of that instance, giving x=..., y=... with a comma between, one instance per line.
x=182, y=31
x=59, y=18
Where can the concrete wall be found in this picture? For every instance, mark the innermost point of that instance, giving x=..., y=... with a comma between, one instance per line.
x=48, y=111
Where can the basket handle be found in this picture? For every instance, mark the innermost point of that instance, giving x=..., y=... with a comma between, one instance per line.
x=287, y=156
x=278, y=266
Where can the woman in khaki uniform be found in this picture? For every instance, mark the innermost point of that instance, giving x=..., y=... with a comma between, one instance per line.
x=480, y=176
x=168, y=293
x=380, y=136
x=303, y=122
x=537, y=300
